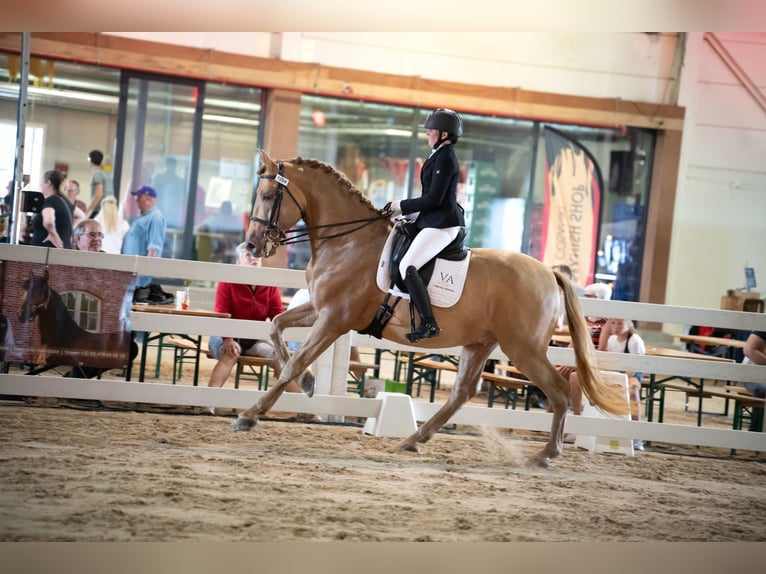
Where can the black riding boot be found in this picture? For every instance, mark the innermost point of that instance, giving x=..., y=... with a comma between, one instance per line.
x=419, y=296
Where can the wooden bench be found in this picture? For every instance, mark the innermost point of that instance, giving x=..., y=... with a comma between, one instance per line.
x=744, y=401
x=425, y=370
x=356, y=383
x=251, y=368
x=184, y=351
x=506, y=388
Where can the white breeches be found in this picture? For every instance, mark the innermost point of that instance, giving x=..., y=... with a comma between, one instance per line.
x=426, y=245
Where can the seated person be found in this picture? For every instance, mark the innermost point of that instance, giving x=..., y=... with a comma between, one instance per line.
x=595, y=326
x=755, y=352
x=619, y=336
x=252, y=303
x=87, y=236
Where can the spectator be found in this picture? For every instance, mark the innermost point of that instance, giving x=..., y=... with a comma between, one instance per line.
x=252, y=303
x=52, y=227
x=618, y=336
x=71, y=188
x=219, y=234
x=595, y=326
x=88, y=236
x=113, y=225
x=171, y=191
x=755, y=352
x=566, y=271
x=100, y=183
x=146, y=237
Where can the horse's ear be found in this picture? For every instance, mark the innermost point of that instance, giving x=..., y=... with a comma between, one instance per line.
x=263, y=157
x=45, y=275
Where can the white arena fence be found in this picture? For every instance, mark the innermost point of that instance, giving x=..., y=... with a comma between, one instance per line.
x=331, y=369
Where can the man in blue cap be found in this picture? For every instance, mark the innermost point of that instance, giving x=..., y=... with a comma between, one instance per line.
x=146, y=237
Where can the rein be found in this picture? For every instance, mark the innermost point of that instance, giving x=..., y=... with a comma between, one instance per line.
x=276, y=236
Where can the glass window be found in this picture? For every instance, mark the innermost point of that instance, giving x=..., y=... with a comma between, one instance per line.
x=228, y=155
x=380, y=147
x=496, y=157
x=72, y=109
x=371, y=143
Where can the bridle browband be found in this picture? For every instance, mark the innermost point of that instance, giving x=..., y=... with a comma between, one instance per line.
x=276, y=236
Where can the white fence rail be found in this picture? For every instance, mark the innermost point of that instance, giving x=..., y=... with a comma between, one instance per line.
x=331, y=368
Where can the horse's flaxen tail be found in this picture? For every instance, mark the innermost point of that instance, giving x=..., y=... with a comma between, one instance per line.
x=608, y=397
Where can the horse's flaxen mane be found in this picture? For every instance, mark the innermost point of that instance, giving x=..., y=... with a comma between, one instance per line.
x=342, y=179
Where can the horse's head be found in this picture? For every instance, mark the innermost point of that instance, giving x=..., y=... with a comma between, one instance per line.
x=276, y=207
x=37, y=295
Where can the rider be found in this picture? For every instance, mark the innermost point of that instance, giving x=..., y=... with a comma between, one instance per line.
x=440, y=217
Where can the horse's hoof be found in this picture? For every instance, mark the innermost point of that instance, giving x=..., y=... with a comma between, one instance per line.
x=540, y=460
x=308, y=383
x=244, y=424
x=410, y=447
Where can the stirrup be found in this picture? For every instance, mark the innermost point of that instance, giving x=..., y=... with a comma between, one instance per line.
x=425, y=330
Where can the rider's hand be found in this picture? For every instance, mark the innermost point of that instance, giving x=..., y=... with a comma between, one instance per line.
x=393, y=208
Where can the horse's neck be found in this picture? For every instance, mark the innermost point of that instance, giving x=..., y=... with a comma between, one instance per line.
x=334, y=207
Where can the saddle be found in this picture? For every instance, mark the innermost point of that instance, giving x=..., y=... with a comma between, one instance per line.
x=400, y=241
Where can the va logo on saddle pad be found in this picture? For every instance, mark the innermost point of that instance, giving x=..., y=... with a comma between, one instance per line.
x=445, y=286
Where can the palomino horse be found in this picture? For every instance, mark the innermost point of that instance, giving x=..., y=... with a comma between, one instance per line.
x=62, y=339
x=509, y=299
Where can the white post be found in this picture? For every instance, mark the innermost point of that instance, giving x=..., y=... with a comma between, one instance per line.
x=331, y=370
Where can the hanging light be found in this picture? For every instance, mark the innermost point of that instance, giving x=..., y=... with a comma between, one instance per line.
x=318, y=118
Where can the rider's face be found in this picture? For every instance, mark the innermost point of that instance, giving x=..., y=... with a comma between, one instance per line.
x=433, y=136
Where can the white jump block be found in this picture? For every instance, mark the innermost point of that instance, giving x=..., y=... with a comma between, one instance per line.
x=396, y=417
x=600, y=443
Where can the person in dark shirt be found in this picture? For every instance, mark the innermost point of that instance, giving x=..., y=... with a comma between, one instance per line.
x=52, y=227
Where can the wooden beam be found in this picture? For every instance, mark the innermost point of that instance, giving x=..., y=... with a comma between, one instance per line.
x=659, y=218
x=115, y=51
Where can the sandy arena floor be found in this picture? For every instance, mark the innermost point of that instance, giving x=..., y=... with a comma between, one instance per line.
x=76, y=474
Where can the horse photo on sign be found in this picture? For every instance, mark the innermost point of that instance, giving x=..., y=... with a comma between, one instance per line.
x=68, y=315
x=509, y=299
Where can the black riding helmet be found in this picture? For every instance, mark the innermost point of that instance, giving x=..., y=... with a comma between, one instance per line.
x=445, y=120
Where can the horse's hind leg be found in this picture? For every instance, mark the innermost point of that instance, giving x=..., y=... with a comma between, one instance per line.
x=472, y=361
x=539, y=370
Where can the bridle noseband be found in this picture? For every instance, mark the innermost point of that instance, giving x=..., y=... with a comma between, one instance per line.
x=275, y=237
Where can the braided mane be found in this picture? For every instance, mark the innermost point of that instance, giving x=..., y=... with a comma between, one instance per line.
x=340, y=177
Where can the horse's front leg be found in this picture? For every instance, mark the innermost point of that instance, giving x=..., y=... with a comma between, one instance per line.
x=320, y=338
x=301, y=316
x=471, y=364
